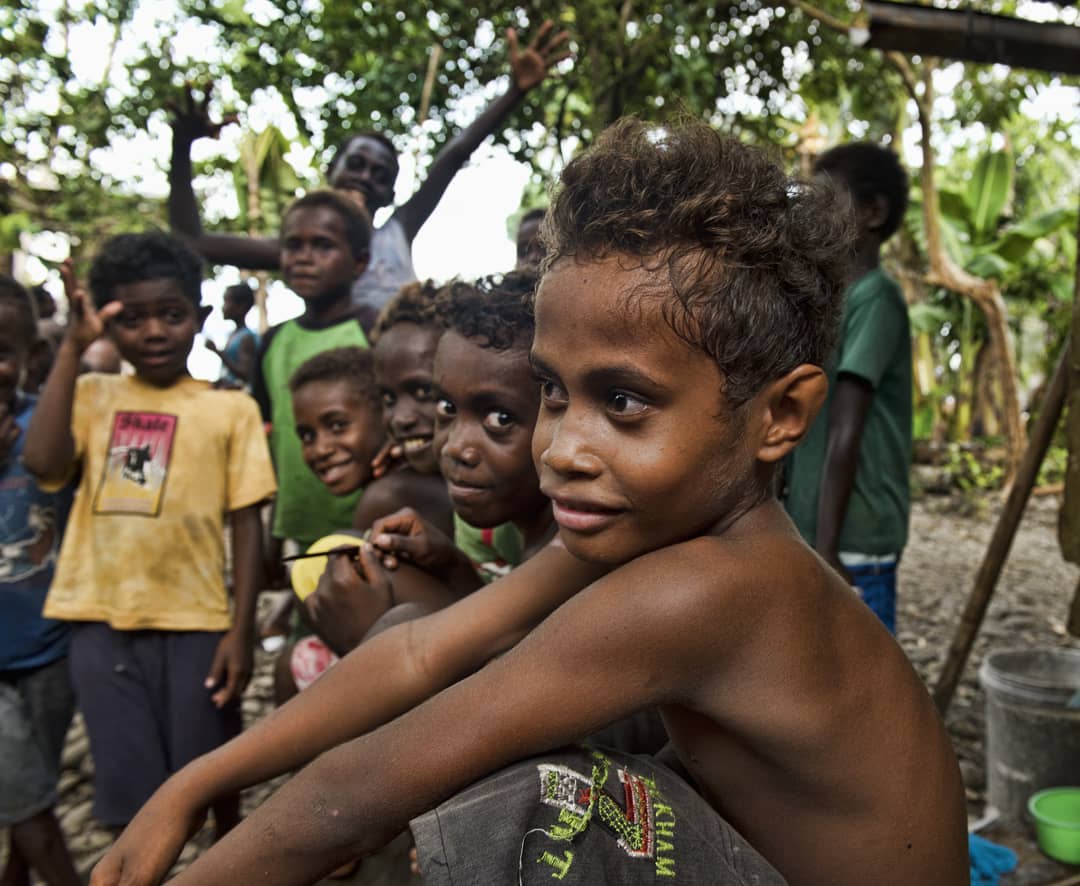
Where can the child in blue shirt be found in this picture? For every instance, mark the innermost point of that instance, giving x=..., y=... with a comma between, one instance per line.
x=36, y=702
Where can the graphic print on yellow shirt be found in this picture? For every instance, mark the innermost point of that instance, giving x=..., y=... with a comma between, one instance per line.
x=134, y=474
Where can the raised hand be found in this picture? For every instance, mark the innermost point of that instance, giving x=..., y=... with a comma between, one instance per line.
x=85, y=324
x=191, y=117
x=530, y=66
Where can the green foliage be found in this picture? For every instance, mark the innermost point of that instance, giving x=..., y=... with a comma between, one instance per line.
x=971, y=471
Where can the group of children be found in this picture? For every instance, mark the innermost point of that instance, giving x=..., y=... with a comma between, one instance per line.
x=556, y=492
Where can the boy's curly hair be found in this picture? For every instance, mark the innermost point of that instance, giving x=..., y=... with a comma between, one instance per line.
x=414, y=303
x=754, y=262
x=356, y=219
x=497, y=309
x=868, y=171
x=13, y=293
x=352, y=365
x=151, y=255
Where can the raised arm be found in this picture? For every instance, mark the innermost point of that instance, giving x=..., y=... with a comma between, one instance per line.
x=50, y=448
x=528, y=69
x=378, y=681
x=190, y=122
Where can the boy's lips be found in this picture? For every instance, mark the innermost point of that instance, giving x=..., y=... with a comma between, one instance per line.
x=582, y=515
x=156, y=358
x=413, y=445
x=463, y=492
x=331, y=474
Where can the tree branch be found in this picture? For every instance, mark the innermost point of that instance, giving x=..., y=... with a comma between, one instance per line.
x=820, y=15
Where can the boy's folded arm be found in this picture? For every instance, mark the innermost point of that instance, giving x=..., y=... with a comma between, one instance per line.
x=622, y=645
x=413, y=661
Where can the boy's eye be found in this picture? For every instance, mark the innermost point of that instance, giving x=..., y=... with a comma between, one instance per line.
x=444, y=409
x=128, y=318
x=623, y=404
x=338, y=425
x=306, y=435
x=174, y=316
x=423, y=393
x=552, y=394
x=498, y=420
x=388, y=399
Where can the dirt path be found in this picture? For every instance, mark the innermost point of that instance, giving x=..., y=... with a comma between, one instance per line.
x=948, y=540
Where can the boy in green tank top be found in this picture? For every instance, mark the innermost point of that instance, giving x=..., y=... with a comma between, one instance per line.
x=324, y=246
x=848, y=482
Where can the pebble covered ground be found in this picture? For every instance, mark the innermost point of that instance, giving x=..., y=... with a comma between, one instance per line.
x=948, y=538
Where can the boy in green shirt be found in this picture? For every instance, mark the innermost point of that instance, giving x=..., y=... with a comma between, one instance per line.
x=848, y=480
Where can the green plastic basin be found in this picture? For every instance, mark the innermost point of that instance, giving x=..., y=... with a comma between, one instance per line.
x=1057, y=822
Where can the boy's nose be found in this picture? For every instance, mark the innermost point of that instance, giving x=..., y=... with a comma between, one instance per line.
x=154, y=329
x=461, y=449
x=566, y=453
x=403, y=418
x=322, y=445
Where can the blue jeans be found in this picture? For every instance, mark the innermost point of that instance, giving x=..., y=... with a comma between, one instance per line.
x=876, y=584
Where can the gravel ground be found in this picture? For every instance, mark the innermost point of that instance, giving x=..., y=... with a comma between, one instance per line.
x=948, y=538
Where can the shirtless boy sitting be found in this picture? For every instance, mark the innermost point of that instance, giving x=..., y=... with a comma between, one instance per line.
x=690, y=296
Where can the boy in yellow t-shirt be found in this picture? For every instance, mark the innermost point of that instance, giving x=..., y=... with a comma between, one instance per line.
x=158, y=660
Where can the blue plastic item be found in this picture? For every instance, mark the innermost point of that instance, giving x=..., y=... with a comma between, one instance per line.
x=988, y=861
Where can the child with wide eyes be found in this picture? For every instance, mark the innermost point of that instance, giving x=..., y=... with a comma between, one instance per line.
x=486, y=402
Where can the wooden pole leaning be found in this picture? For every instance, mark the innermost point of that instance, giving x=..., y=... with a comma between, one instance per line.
x=1004, y=533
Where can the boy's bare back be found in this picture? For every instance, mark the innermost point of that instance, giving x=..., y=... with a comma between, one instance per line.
x=806, y=727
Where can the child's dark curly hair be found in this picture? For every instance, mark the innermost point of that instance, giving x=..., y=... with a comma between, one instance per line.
x=151, y=255
x=755, y=262
x=497, y=309
x=357, y=221
x=13, y=293
x=354, y=366
x=414, y=303
x=869, y=170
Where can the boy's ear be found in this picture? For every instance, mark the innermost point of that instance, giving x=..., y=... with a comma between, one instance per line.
x=791, y=404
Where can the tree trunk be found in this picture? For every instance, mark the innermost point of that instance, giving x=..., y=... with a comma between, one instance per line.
x=944, y=272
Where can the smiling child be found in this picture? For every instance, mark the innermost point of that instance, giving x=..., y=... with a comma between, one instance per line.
x=158, y=660
x=691, y=293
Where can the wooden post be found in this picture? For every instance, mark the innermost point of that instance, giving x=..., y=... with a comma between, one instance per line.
x=1002, y=539
x=1069, y=518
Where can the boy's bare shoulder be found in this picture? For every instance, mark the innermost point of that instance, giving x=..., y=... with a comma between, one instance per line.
x=401, y=489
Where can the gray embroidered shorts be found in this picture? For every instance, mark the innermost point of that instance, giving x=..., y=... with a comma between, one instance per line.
x=587, y=817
